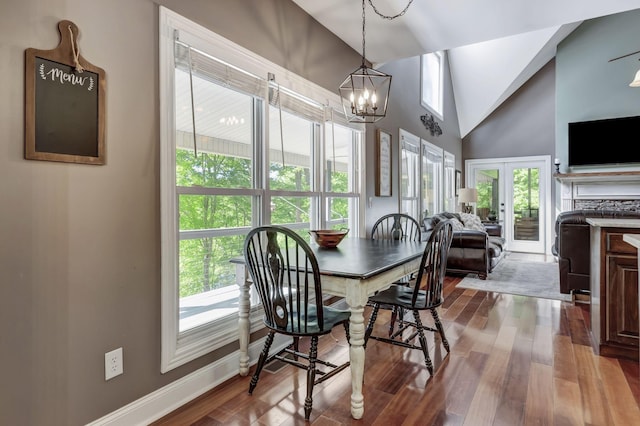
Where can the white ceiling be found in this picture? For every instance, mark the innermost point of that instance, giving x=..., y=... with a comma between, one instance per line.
x=494, y=45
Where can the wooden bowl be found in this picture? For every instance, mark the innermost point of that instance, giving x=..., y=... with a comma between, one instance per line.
x=329, y=238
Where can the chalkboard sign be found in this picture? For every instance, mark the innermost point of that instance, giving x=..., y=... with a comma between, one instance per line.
x=64, y=105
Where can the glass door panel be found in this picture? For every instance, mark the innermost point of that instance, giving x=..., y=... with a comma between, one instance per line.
x=489, y=206
x=526, y=202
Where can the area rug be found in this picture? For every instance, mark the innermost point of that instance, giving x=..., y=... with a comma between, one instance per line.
x=519, y=277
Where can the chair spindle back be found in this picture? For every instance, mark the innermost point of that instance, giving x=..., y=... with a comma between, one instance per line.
x=286, y=276
x=433, y=265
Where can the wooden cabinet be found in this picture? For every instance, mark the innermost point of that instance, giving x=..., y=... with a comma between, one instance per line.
x=634, y=240
x=614, y=289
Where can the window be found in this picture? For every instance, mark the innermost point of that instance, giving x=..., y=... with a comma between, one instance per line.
x=410, y=174
x=427, y=177
x=449, y=182
x=237, y=151
x=432, y=72
x=432, y=178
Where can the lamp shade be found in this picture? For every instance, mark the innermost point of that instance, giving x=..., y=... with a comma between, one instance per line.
x=636, y=80
x=468, y=195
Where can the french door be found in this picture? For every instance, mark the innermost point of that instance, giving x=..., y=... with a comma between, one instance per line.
x=516, y=193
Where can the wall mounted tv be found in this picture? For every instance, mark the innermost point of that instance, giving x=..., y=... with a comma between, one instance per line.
x=604, y=142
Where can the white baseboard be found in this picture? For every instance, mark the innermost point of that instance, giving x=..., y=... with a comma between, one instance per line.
x=161, y=402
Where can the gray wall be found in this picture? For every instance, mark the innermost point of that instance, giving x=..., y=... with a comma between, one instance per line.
x=404, y=113
x=80, y=244
x=523, y=125
x=589, y=87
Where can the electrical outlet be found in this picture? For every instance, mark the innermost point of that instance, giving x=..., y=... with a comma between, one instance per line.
x=113, y=364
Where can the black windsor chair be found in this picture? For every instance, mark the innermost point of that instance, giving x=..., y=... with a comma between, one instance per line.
x=425, y=293
x=401, y=227
x=285, y=273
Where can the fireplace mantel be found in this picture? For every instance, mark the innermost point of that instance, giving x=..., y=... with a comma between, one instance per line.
x=599, y=190
x=625, y=176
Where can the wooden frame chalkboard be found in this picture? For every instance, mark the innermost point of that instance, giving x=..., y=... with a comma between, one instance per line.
x=64, y=103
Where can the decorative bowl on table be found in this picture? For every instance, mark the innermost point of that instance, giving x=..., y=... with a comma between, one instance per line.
x=329, y=238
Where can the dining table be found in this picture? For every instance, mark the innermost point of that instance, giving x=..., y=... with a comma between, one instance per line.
x=354, y=270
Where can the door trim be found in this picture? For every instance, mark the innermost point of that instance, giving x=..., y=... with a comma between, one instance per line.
x=545, y=182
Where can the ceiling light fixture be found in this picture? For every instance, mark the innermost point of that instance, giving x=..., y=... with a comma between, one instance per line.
x=636, y=80
x=365, y=92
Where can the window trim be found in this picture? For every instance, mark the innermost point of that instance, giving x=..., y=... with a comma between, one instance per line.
x=179, y=348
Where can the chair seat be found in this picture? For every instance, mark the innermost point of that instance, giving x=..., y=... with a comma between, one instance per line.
x=332, y=318
x=401, y=295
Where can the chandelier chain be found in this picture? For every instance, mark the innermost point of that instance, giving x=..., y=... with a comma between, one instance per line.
x=380, y=14
x=390, y=17
x=364, y=56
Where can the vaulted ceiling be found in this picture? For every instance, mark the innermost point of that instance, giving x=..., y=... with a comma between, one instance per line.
x=494, y=46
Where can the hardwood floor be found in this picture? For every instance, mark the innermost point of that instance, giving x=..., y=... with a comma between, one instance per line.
x=514, y=360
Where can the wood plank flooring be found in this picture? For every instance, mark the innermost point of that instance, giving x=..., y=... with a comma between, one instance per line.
x=514, y=360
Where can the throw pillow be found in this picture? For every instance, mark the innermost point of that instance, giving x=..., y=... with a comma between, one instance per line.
x=456, y=224
x=471, y=221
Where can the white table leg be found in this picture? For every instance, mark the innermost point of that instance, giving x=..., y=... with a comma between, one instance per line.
x=356, y=298
x=243, y=318
x=356, y=357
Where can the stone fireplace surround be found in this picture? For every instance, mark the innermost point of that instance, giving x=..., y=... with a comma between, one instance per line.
x=600, y=190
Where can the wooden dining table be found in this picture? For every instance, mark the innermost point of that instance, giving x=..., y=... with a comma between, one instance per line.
x=355, y=269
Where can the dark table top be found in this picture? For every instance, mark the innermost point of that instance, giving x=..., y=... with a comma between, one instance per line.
x=363, y=258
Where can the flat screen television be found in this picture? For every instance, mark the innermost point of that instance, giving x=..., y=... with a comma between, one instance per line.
x=604, y=142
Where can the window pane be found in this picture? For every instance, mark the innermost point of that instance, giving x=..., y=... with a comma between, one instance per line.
x=338, y=212
x=222, y=157
x=432, y=82
x=295, y=135
x=223, y=125
x=432, y=170
x=207, y=288
x=290, y=210
x=486, y=183
x=526, y=204
x=449, y=183
x=214, y=212
x=409, y=183
x=212, y=170
x=339, y=154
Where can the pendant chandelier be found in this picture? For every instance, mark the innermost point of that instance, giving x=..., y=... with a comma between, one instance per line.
x=365, y=92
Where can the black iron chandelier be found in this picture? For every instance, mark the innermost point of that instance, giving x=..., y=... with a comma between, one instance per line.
x=365, y=92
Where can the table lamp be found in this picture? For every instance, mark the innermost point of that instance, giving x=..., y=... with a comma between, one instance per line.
x=466, y=196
